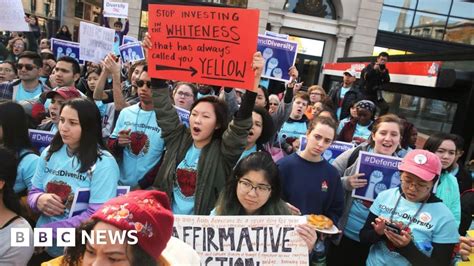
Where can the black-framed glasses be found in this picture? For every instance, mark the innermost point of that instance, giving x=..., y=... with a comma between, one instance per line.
x=260, y=189
x=28, y=67
x=141, y=83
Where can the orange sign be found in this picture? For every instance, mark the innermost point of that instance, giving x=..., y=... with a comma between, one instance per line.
x=208, y=45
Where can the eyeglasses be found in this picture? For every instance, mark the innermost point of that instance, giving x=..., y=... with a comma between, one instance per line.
x=276, y=104
x=316, y=93
x=259, y=189
x=417, y=186
x=141, y=83
x=6, y=70
x=184, y=94
x=18, y=46
x=28, y=67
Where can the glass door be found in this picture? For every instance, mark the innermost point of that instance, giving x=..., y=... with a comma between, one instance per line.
x=309, y=68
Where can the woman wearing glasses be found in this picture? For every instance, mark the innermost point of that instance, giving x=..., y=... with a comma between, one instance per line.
x=254, y=189
x=410, y=225
x=316, y=94
x=184, y=95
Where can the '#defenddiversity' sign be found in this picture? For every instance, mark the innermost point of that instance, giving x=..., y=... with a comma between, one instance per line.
x=243, y=240
x=209, y=45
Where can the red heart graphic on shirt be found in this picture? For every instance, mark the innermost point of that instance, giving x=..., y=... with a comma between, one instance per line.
x=138, y=142
x=60, y=188
x=187, y=181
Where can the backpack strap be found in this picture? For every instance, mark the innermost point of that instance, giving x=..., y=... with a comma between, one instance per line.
x=354, y=156
x=24, y=155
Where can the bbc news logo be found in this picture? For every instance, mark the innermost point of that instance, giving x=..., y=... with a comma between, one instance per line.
x=66, y=237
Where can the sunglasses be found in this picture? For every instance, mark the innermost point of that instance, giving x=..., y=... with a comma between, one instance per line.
x=141, y=83
x=28, y=67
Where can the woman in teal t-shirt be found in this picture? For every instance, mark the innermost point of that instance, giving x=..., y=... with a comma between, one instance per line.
x=76, y=158
x=410, y=225
x=447, y=188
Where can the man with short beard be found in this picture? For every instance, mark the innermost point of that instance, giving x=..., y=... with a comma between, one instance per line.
x=28, y=86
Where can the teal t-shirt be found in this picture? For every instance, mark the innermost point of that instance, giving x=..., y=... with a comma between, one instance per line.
x=341, y=97
x=22, y=94
x=25, y=171
x=60, y=175
x=248, y=152
x=448, y=191
x=434, y=224
x=146, y=147
x=362, y=132
x=292, y=129
x=186, y=180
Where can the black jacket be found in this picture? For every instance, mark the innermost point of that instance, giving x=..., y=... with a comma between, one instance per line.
x=354, y=94
x=372, y=80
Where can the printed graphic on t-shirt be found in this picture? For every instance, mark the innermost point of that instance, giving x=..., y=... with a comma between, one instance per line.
x=187, y=180
x=61, y=189
x=139, y=142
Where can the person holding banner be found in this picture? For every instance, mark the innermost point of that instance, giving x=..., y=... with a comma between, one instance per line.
x=11, y=213
x=199, y=159
x=409, y=225
x=385, y=139
x=14, y=136
x=444, y=146
x=254, y=189
x=76, y=158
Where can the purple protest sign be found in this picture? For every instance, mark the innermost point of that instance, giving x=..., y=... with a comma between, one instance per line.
x=381, y=172
x=40, y=139
x=336, y=148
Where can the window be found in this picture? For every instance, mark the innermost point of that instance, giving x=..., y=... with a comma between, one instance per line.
x=448, y=20
x=428, y=115
x=396, y=20
x=317, y=8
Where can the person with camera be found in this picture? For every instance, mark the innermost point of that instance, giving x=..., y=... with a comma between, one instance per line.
x=372, y=79
x=409, y=225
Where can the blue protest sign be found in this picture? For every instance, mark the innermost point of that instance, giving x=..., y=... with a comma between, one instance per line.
x=381, y=173
x=279, y=55
x=65, y=48
x=40, y=139
x=81, y=199
x=183, y=115
x=129, y=39
x=336, y=148
x=131, y=52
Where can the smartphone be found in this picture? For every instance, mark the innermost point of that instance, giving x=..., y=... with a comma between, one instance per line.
x=393, y=228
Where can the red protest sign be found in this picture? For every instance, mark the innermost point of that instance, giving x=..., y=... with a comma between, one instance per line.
x=208, y=45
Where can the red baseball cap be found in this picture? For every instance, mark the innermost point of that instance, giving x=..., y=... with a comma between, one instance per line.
x=146, y=211
x=65, y=92
x=422, y=163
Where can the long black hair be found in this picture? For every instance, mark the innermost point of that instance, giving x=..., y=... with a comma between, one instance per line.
x=229, y=204
x=8, y=168
x=435, y=140
x=14, y=123
x=91, y=134
x=268, y=128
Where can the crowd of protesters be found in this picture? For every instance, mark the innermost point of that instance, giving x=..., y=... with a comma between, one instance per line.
x=239, y=155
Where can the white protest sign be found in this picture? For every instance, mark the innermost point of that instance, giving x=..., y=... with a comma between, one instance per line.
x=115, y=9
x=243, y=240
x=12, y=17
x=95, y=42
